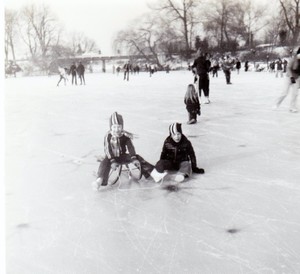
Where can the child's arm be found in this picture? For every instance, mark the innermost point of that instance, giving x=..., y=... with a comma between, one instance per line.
x=192, y=155
x=164, y=152
x=108, y=149
x=131, y=149
x=129, y=134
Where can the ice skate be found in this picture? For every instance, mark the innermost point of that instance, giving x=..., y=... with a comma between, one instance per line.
x=207, y=101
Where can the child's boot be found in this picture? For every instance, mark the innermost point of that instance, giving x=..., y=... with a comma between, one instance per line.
x=157, y=176
x=97, y=184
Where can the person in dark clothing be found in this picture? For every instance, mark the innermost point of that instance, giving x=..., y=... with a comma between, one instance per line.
x=73, y=73
x=201, y=67
x=246, y=65
x=192, y=103
x=238, y=65
x=178, y=154
x=80, y=72
x=127, y=68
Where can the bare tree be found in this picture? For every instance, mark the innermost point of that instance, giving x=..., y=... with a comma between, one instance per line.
x=143, y=38
x=11, y=21
x=80, y=43
x=184, y=13
x=250, y=19
x=290, y=11
x=219, y=19
x=40, y=31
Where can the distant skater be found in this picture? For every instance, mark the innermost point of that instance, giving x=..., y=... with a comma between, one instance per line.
x=292, y=82
x=62, y=75
x=80, y=72
x=227, y=66
x=127, y=68
x=73, y=73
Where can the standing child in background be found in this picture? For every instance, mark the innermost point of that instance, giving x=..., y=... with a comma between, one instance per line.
x=119, y=149
x=192, y=103
x=178, y=154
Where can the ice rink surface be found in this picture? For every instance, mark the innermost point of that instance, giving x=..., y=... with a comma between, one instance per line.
x=241, y=216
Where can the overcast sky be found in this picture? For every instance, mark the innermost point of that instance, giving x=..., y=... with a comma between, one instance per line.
x=98, y=19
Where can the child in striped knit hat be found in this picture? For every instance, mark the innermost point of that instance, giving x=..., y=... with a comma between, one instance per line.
x=119, y=149
x=178, y=154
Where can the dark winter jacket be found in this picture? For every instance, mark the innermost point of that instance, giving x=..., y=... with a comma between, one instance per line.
x=73, y=70
x=114, y=147
x=192, y=106
x=202, y=65
x=293, y=68
x=80, y=69
x=178, y=152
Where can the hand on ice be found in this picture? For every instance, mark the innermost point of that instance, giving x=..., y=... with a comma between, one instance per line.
x=198, y=170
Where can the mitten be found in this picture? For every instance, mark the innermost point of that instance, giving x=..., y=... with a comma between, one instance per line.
x=198, y=170
x=293, y=81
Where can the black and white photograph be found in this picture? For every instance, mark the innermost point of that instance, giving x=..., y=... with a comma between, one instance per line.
x=150, y=137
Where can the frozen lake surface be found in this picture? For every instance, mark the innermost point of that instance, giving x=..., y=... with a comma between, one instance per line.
x=241, y=216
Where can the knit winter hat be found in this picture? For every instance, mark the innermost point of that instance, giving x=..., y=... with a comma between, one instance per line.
x=175, y=128
x=116, y=119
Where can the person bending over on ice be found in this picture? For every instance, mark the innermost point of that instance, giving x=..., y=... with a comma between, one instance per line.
x=192, y=103
x=178, y=154
x=62, y=75
x=119, y=149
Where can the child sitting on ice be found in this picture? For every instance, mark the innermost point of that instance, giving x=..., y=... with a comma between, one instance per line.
x=119, y=149
x=178, y=154
x=192, y=103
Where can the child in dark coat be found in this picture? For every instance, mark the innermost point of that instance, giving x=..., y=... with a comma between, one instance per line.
x=178, y=154
x=192, y=103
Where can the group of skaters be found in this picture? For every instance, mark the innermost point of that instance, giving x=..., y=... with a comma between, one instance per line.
x=204, y=65
x=130, y=68
x=74, y=71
